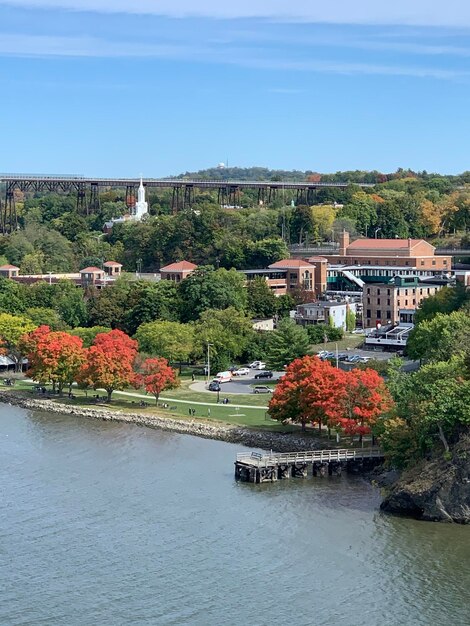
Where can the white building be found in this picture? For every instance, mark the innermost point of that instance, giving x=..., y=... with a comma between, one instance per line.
x=325, y=312
x=141, y=206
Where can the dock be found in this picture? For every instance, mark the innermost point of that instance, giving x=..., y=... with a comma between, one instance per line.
x=261, y=468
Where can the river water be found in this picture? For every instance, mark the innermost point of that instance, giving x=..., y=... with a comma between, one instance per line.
x=112, y=524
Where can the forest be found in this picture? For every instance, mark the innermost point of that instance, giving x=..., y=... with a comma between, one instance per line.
x=54, y=236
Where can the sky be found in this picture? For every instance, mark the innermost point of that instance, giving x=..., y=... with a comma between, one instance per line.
x=159, y=87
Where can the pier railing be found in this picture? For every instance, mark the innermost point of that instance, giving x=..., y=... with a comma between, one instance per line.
x=310, y=456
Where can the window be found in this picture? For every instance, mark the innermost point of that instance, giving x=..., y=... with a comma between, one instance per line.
x=388, y=301
x=389, y=315
x=406, y=302
x=368, y=290
x=378, y=300
x=368, y=300
x=414, y=301
x=444, y=262
x=378, y=292
x=379, y=314
x=434, y=262
x=368, y=314
x=388, y=292
x=406, y=292
x=407, y=262
x=422, y=262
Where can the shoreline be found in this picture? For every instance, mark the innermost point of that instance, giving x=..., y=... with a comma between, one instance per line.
x=269, y=440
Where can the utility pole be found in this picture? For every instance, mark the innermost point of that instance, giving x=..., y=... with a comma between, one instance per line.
x=208, y=361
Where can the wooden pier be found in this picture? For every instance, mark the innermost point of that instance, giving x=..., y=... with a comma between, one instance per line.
x=261, y=468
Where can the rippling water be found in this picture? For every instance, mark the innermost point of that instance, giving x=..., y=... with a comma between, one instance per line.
x=109, y=524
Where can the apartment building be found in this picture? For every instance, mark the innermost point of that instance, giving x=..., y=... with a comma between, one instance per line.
x=384, y=303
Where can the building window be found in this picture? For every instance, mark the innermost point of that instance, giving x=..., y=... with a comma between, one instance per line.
x=406, y=302
x=434, y=262
x=368, y=300
x=388, y=301
x=444, y=262
x=378, y=292
x=368, y=314
x=406, y=292
x=407, y=262
x=378, y=300
x=414, y=301
x=368, y=291
x=388, y=292
x=389, y=315
x=379, y=314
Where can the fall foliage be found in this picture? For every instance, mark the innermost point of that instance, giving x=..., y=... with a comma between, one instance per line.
x=157, y=376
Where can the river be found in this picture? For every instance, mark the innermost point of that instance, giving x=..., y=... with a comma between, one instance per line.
x=110, y=524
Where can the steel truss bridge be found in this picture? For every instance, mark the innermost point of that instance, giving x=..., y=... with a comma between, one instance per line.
x=87, y=191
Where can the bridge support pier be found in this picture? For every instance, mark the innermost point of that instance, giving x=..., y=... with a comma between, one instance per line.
x=335, y=468
x=320, y=469
x=299, y=470
x=284, y=471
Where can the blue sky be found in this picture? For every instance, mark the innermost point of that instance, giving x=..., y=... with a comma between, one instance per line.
x=118, y=87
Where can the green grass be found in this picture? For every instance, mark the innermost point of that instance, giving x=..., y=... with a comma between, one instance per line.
x=348, y=341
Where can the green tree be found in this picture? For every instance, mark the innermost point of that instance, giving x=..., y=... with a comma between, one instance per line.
x=439, y=338
x=207, y=288
x=87, y=335
x=12, y=328
x=152, y=301
x=42, y=316
x=228, y=331
x=171, y=340
x=261, y=300
x=350, y=320
x=288, y=342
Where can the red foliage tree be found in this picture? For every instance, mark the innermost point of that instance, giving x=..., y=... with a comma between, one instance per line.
x=157, y=376
x=363, y=398
x=315, y=391
x=110, y=362
x=55, y=357
x=306, y=392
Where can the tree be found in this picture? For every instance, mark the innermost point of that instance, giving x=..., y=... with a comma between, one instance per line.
x=152, y=301
x=350, y=320
x=288, y=342
x=261, y=300
x=362, y=398
x=307, y=392
x=12, y=329
x=43, y=316
x=110, y=362
x=171, y=340
x=440, y=337
x=157, y=376
x=206, y=288
x=57, y=357
x=88, y=335
x=228, y=331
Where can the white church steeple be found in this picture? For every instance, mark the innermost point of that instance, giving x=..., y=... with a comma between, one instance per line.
x=141, y=206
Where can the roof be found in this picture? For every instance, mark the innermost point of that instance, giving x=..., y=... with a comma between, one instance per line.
x=286, y=263
x=179, y=266
x=9, y=267
x=90, y=270
x=385, y=244
x=314, y=259
x=112, y=264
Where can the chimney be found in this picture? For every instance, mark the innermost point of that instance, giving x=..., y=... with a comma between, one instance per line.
x=343, y=242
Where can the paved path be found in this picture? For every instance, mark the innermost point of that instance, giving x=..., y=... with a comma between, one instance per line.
x=178, y=400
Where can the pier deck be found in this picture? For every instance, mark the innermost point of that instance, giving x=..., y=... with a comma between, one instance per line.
x=258, y=468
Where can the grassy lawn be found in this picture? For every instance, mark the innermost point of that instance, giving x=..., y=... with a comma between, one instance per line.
x=348, y=341
x=209, y=410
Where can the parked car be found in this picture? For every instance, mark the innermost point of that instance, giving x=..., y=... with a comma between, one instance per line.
x=222, y=377
x=353, y=358
x=257, y=365
x=264, y=374
x=243, y=371
x=213, y=386
x=363, y=359
x=262, y=389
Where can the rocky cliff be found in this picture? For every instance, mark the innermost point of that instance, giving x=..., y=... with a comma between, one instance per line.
x=435, y=490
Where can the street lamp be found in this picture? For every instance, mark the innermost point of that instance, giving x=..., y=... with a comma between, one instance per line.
x=376, y=231
x=208, y=361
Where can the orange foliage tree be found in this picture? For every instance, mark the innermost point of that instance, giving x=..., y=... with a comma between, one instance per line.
x=363, y=398
x=313, y=391
x=306, y=392
x=55, y=357
x=157, y=376
x=110, y=362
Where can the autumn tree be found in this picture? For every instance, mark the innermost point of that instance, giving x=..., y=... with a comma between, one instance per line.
x=361, y=399
x=55, y=357
x=306, y=393
x=157, y=376
x=110, y=362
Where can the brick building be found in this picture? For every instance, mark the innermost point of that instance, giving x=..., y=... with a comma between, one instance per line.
x=177, y=271
x=383, y=303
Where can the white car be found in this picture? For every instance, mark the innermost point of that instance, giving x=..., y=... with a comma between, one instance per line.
x=242, y=371
x=254, y=365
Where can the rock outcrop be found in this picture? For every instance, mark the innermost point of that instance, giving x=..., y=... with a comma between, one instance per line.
x=435, y=490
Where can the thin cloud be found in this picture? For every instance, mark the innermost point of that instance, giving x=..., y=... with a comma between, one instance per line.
x=452, y=13
x=57, y=46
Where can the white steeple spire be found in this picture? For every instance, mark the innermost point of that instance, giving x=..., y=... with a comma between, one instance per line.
x=141, y=207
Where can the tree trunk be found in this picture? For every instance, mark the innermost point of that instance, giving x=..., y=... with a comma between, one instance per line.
x=157, y=395
x=442, y=437
x=304, y=426
x=110, y=391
